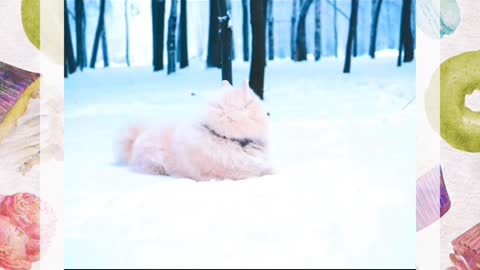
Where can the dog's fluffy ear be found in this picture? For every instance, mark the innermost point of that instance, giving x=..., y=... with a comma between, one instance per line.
x=226, y=85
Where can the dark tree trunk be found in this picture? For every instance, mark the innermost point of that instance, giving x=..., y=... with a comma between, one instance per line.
x=257, y=67
x=158, y=32
x=98, y=33
x=406, y=38
x=127, y=36
x=69, y=58
x=214, y=58
x=172, y=26
x=318, y=29
x=400, y=40
x=335, y=29
x=376, y=7
x=229, y=11
x=154, y=32
x=293, y=26
x=301, y=41
x=407, y=31
x=80, y=25
x=351, y=34
x=246, y=40
x=104, y=48
x=355, y=43
x=182, y=38
x=414, y=23
x=271, y=48
x=354, y=53
x=226, y=41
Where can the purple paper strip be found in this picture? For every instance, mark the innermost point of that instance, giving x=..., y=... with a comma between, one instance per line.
x=13, y=84
x=432, y=198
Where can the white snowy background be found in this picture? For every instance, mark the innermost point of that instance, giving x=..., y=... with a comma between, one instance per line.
x=343, y=146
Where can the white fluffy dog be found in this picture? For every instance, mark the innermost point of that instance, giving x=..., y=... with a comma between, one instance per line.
x=230, y=141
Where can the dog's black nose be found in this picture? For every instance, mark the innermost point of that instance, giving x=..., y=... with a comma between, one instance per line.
x=268, y=113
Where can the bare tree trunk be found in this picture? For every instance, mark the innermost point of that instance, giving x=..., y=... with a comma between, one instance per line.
x=98, y=33
x=230, y=13
x=355, y=43
x=293, y=26
x=214, y=58
x=351, y=35
x=127, y=35
x=155, y=15
x=104, y=48
x=246, y=40
x=406, y=38
x=400, y=40
x=158, y=32
x=407, y=31
x=376, y=7
x=80, y=25
x=301, y=42
x=172, y=26
x=257, y=67
x=69, y=58
x=226, y=41
x=335, y=29
x=414, y=23
x=354, y=53
x=271, y=48
x=318, y=29
x=182, y=38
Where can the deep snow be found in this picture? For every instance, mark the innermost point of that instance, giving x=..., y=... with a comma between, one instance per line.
x=343, y=195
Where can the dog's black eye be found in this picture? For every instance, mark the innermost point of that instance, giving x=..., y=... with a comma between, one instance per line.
x=268, y=113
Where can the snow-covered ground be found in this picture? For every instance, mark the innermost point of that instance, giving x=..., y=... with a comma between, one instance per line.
x=343, y=195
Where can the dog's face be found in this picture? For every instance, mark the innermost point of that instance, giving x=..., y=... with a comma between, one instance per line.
x=238, y=113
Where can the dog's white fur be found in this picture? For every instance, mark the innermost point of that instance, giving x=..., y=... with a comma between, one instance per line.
x=208, y=149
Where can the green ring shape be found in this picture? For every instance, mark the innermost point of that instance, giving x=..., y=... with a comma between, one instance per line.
x=49, y=41
x=31, y=21
x=457, y=77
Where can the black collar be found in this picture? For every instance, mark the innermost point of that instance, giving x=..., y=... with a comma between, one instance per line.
x=243, y=142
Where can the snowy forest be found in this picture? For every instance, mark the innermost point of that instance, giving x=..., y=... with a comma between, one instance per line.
x=337, y=78
x=167, y=34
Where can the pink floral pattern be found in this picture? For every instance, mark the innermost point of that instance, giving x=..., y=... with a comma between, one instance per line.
x=20, y=230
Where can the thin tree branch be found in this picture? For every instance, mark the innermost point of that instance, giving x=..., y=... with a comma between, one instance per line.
x=339, y=10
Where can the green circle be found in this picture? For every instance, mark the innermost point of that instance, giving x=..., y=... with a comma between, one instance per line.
x=457, y=77
x=31, y=20
x=50, y=41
